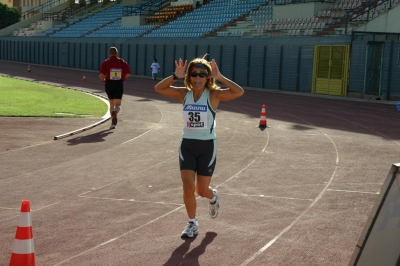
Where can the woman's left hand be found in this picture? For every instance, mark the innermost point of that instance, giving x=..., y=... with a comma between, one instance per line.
x=215, y=74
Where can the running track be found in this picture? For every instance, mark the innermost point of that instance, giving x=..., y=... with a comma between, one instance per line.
x=297, y=193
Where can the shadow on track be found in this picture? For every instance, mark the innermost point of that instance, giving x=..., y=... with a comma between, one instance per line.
x=182, y=257
x=93, y=138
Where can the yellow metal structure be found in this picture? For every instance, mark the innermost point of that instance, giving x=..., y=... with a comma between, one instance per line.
x=331, y=69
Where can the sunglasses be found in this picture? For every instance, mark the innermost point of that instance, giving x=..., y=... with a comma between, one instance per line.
x=195, y=74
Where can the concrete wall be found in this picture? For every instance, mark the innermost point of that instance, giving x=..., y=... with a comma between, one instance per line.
x=130, y=2
x=305, y=10
x=130, y=21
x=387, y=22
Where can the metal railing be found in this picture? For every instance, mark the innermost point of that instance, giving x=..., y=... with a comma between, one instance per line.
x=30, y=13
x=370, y=5
x=147, y=7
x=68, y=12
x=374, y=36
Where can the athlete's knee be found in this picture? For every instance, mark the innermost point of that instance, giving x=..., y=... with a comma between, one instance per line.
x=188, y=189
x=202, y=191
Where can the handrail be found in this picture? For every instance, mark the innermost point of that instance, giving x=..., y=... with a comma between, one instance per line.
x=140, y=8
x=68, y=12
x=31, y=12
x=364, y=4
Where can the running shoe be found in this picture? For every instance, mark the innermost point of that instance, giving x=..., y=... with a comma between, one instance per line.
x=214, y=207
x=114, y=118
x=112, y=126
x=190, y=230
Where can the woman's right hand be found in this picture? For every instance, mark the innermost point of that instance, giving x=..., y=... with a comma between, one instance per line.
x=180, y=68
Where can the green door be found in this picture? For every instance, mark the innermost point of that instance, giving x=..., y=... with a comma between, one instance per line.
x=373, y=69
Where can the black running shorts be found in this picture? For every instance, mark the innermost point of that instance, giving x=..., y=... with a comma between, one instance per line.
x=198, y=155
x=114, y=89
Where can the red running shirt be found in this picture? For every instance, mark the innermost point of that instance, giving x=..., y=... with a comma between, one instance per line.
x=115, y=68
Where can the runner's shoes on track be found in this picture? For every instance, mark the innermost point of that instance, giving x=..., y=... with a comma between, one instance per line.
x=190, y=230
x=114, y=119
x=214, y=206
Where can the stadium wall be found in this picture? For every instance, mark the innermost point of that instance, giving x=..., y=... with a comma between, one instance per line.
x=390, y=78
x=270, y=63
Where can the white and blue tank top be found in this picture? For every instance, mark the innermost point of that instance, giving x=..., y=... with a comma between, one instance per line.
x=198, y=117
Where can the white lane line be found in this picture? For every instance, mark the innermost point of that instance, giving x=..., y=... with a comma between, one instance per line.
x=106, y=185
x=144, y=225
x=14, y=217
x=384, y=136
x=236, y=175
x=139, y=135
x=243, y=112
x=159, y=122
x=354, y=191
x=5, y=208
x=270, y=243
x=118, y=237
x=132, y=200
x=27, y=147
x=264, y=196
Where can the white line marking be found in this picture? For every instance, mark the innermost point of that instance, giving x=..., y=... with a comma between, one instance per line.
x=139, y=136
x=162, y=117
x=141, y=201
x=270, y=243
x=178, y=208
x=236, y=175
x=386, y=137
x=263, y=196
x=118, y=237
x=109, y=241
x=106, y=185
x=5, y=208
x=353, y=191
x=14, y=217
x=26, y=147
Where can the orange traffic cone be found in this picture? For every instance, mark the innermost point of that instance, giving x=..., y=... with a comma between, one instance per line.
x=23, y=253
x=84, y=78
x=29, y=68
x=263, y=118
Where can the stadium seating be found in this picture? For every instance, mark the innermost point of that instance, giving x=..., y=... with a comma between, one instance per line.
x=210, y=16
x=220, y=18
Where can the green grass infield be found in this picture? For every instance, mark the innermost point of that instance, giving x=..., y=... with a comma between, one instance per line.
x=20, y=98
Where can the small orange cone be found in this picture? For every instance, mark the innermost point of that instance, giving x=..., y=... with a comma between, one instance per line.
x=84, y=78
x=23, y=253
x=29, y=68
x=263, y=118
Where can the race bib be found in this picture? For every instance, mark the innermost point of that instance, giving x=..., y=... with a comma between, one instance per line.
x=115, y=74
x=195, y=116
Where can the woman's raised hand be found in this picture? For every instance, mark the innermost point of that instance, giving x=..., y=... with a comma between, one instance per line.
x=180, y=68
x=215, y=71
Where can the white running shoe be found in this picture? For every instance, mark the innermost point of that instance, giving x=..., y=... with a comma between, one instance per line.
x=112, y=126
x=190, y=230
x=214, y=207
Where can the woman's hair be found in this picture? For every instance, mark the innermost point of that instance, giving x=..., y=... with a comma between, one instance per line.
x=200, y=63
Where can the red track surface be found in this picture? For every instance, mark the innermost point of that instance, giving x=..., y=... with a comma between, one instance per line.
x=297, y=193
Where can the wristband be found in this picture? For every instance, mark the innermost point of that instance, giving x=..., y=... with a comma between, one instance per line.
x=174, y=77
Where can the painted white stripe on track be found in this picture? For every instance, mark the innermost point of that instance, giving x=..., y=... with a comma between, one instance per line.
x=118, y=237
x=353, y=191
x=270, y=243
